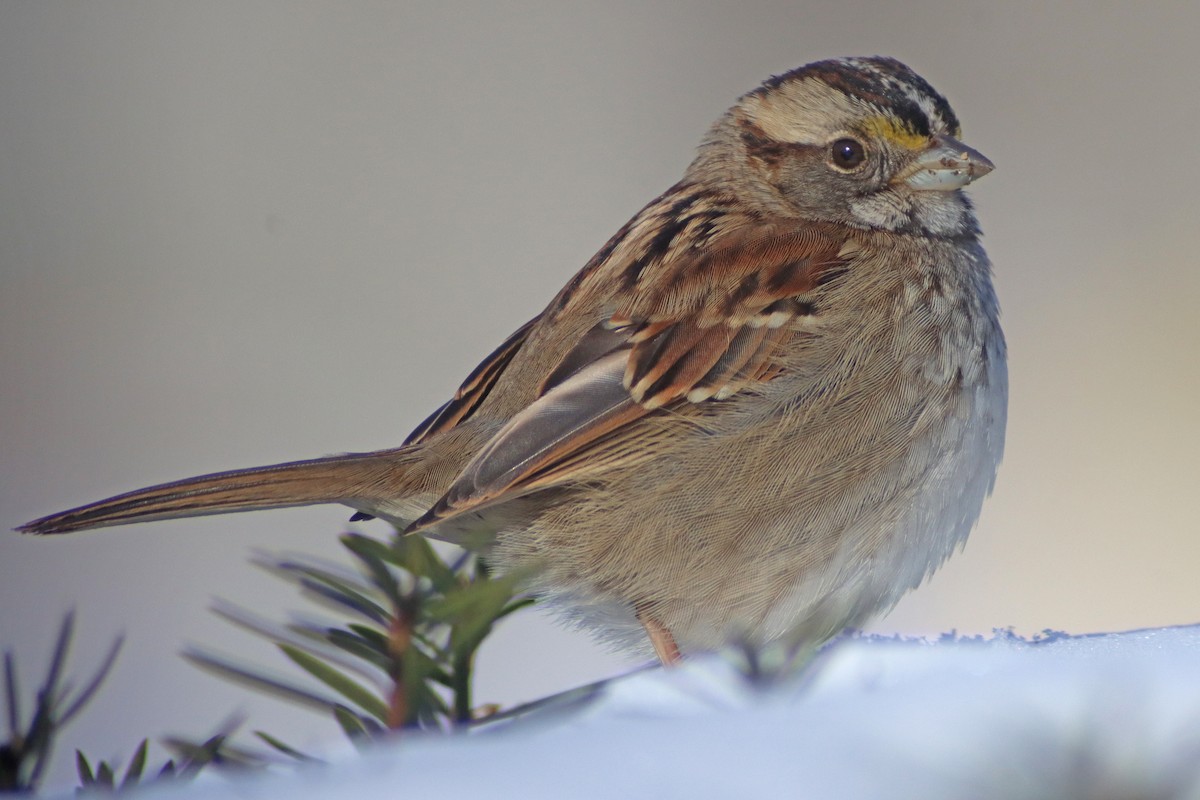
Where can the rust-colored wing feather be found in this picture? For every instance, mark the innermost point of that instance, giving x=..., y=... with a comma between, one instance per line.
x=695, y=324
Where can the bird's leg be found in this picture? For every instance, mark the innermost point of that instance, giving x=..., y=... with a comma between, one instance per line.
x=664, y=643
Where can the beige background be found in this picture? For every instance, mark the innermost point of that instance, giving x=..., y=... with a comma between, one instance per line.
x=234, y=233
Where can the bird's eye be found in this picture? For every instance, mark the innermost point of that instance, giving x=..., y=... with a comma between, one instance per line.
x=847, y=153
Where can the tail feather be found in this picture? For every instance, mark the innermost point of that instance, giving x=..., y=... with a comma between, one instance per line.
x=334, y=479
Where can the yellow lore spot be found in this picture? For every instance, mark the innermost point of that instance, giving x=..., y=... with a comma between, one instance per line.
x=894, y=131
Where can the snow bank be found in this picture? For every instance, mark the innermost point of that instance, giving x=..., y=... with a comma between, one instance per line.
x=1105, y=715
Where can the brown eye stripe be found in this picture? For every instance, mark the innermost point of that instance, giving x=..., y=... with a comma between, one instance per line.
x=772, y=152
x=761, y=146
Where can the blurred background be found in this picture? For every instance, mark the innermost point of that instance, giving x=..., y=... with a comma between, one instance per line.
x=237, y=233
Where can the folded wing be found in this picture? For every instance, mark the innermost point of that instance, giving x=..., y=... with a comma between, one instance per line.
x=694, y=326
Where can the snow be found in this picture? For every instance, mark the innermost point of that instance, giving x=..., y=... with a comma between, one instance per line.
x=1103, y=715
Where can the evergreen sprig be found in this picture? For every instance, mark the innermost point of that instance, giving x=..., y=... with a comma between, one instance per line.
x=405, y=658
x=24, y=756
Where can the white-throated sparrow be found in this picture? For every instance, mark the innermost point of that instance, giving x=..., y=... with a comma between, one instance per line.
x=771, y=404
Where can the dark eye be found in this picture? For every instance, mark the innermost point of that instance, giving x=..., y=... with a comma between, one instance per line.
x=847, y=153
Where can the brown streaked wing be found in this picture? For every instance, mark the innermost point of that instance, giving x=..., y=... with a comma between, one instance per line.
x=739, y=303
x=733, y=307
x=738, y=277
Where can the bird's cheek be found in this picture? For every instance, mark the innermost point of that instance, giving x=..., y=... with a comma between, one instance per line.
x=886, y=209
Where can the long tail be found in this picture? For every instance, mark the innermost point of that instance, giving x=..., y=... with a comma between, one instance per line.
x=356, y=479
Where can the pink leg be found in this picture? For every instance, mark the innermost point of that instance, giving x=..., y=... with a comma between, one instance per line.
x=662, y=640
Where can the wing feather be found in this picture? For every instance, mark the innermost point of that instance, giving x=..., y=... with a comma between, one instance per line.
x=575, y=413
x=473, y=390
x=683, y=325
